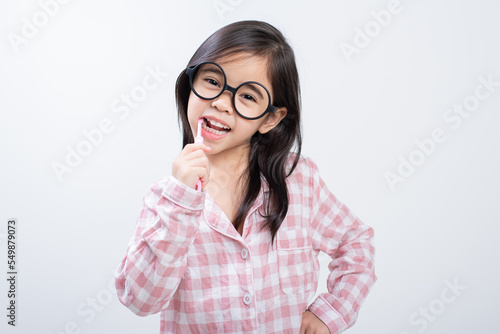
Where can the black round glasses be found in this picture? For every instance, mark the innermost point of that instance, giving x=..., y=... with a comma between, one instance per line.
x=251, y=100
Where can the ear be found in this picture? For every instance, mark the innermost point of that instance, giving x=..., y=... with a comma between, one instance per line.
x=272, y=120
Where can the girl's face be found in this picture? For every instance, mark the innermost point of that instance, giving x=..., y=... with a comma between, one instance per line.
x=238, y=69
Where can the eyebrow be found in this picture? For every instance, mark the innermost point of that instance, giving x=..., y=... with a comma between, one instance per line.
x=211, y=70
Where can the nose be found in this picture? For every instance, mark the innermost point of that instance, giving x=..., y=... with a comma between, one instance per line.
x=224, y=102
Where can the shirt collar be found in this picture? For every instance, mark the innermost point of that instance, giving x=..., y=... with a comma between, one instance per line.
x=214, y=214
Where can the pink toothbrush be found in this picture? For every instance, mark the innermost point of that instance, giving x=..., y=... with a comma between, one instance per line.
x=199, y=139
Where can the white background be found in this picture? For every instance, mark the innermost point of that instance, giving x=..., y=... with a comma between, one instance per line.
x=359, y=116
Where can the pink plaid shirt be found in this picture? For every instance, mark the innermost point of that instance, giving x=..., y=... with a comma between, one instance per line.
x=187, y=260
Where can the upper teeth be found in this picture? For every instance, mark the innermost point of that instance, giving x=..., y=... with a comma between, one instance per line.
x=218, y=124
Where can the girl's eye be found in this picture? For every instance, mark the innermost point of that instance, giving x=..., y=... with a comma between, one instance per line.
x=212, y=82
x=249, y=97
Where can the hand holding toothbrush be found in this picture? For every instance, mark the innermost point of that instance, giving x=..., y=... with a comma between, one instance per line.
x=191, y=167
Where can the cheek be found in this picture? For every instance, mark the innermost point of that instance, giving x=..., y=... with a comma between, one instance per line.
x=246, y=128
x=195, y=106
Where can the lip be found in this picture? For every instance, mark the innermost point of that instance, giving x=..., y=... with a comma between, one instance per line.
x=209, y=135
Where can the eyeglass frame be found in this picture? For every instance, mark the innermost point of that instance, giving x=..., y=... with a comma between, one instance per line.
x=191, y=71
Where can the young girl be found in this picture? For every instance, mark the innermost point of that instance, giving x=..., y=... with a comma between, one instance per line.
x=240, y=255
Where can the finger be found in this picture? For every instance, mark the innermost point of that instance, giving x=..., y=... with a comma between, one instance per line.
x=199, y=162
x=190, y=154
x=194, y=156
x=202, y=174
x=195, y=146
x=302, y=329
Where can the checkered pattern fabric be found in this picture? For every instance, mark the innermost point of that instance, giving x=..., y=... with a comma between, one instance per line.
x=188, y=262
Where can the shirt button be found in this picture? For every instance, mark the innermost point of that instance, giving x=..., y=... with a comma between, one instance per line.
x=247, y=299
x=244, y=253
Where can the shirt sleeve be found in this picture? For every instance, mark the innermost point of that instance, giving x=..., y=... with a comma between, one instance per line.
x=339, y=233
x=156, y=258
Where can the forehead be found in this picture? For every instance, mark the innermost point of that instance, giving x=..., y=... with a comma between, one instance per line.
x=245, y=67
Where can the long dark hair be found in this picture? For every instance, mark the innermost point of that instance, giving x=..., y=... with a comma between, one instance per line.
x=269, y=152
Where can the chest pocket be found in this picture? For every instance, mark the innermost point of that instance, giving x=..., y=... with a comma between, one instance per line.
x=295, y=261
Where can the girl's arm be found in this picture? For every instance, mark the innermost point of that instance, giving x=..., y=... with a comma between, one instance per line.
x=339, y=233
x=150, y=273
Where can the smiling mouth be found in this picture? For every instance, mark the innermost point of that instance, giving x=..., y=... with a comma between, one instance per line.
x=214, y=127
